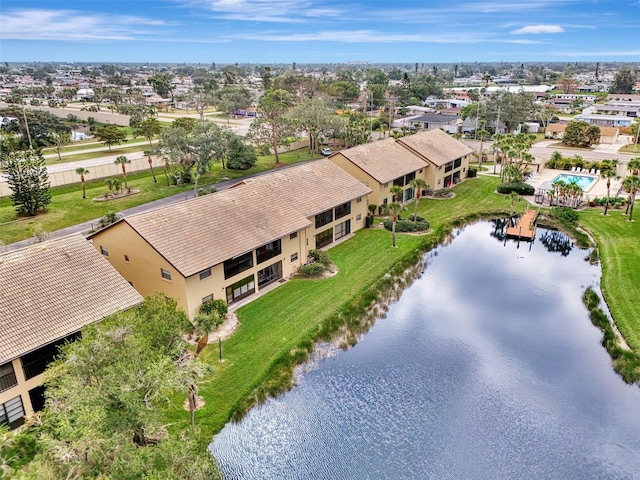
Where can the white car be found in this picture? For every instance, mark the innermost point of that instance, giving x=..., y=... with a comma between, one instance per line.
x=326, y=152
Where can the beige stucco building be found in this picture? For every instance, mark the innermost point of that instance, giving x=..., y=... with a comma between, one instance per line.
x=50, y=291
x=434, y=156
x=233, y=243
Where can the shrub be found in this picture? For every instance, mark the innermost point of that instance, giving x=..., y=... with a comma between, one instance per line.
x=407, y=226
x=321, y=257
x=311, y=269
x=564, y=214
x=108, y=218
x=520, y=188
x=372, y=208
x=600, y=202
x=418, y=218
x=443, y=192
x=216, y=305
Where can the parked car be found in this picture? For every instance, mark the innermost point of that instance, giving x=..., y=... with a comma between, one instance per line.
x=326, y=152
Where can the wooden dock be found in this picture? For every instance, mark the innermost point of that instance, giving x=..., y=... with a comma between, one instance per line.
x=525, y=229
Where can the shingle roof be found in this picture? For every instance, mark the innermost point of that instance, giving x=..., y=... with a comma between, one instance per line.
x=436, y=118
x=55, y=288
x=196, y=234
x=312, y=187
x=385, y=160
x=436, y=146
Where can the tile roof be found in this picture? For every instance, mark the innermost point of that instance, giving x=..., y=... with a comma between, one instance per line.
x=436, y=146
x=312, y=187
x=385, y=160
x=54, y=288
x=556, y=127
x=205, y=231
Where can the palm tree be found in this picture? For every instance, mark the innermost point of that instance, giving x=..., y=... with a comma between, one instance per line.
x=396, y=191
x=394, y=209
x=150, y=160
x=123, y=161
x=631, y=184
x=634, y=166
x=482, y=134
x=608, y=172
x=418, y=186
x=82, y=172
x=555, y=159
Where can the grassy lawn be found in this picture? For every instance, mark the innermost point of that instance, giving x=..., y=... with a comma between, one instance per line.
x=89, y=144
x=115, y=150
x=273, y=326
x=630, y=148
x=617, y=239
x=68, y=208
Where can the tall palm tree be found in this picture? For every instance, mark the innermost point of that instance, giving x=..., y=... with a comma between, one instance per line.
x=151, y=167
x=82, y=172
x=631, y=184
x=394, y=209
x=418, y=186
x=608, y=172
x=482, y=133
x=396, y=191
x=123, y=161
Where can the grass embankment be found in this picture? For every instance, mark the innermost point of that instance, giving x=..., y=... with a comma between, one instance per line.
x=67, y=207
x=617, y=241
x=278, y=330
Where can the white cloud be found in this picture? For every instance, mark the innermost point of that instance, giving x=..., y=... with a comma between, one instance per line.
x=535, y=29
x=34, y=24
x=359, y=36
x=275, y=11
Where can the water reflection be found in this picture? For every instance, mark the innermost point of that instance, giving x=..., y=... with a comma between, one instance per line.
x=487, y=368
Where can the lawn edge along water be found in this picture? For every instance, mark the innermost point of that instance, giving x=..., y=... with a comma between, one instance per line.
x=342, y=305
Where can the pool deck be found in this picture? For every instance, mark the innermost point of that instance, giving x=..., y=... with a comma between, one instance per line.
x=598, y=188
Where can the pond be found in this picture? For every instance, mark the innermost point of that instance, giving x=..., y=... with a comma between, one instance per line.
x=487, y=367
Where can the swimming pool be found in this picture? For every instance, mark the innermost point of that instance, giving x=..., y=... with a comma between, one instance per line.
x=584, y=182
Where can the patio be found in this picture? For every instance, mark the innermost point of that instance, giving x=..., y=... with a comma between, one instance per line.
x=543, y=179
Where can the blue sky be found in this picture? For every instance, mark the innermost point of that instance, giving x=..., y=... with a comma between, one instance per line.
x=319, y=31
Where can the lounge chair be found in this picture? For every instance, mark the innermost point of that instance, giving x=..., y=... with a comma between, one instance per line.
x=573, y=169
x=598, y=172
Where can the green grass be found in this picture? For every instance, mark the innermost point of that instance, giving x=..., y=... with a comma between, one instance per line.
x=87, y=145
x=278, y=329
x=67, y=207
x=115, y=150
x=617, y=241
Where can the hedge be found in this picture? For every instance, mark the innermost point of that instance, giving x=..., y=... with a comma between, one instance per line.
x=405, y=226
x=520, y=188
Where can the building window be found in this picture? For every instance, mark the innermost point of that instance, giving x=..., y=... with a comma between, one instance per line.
x=36, y=362
x=448, y=167
x=7, y=377
x=293, y=235
x=270, y=250
x=294, y=257
x=358, y=200
x=12, y=412
x=166, y=274
x=457, y=162
x=126, y=258
x=236, y=265
x=324, y=218
x=342, y=210
x=358, y=217
x=385, y=201
x=205, y=273
x=269, y=274
x=208, y=298
x=104, y=251
x=399, y=182
x=409, y=177
x=241, y=289
x=324, y=238
x=343, y=229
